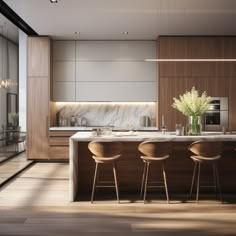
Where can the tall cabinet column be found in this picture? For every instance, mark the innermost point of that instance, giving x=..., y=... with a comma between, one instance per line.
x=38, y=97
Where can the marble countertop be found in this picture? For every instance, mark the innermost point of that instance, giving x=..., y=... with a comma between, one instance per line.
x=89, y=128
x=142, y=136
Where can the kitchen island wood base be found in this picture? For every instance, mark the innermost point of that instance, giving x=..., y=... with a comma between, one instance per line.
x=179, y=170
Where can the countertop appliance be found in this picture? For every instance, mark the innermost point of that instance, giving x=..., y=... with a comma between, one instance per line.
x=216, y=118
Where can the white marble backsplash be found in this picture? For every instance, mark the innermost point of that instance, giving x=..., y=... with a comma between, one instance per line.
x=118, y=115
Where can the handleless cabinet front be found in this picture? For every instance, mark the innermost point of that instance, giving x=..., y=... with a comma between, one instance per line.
x=38, y=97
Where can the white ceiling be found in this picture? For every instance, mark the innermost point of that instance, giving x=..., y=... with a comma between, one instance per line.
x=143, y=19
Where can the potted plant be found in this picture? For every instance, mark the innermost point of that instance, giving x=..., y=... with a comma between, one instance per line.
x=193, y=106
x=13, y=118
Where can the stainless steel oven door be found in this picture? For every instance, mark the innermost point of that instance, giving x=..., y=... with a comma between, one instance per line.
x=215, y=120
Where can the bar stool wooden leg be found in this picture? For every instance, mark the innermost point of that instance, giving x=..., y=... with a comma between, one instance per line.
x=215, y=179
x=198, y=182
x=193, y=179
x=94, y=181
x=146, y=182
x=218, y=182
x=143, y=178
x=165, y=181
x=116, y=183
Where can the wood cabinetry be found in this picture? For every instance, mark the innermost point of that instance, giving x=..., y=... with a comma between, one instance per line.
x=59, y=144
x=38, y=97
x=174, y=78
x=232, y=103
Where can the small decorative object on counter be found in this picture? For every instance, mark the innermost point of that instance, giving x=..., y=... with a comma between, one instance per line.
x=78, y=121
x=223, y=130
x=163, y=126
x=144, y=121
x=163, y=129
x=63, y=122
x=178, y=130
x=84, y=122
x=96, y=132
x=72, y=121
x=194, y=106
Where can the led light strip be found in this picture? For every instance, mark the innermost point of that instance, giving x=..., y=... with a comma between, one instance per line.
x=192, y=60
x=105, y=103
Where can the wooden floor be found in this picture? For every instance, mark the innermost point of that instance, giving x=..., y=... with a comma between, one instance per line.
x=36, y=203
x=12, y=166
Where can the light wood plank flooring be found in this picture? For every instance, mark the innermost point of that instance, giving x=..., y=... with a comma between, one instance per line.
x=12, y=166
x=36, y=203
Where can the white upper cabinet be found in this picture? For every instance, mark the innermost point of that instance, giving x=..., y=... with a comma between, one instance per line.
x=64, y=51
x=63, y=71
x=115, y=71
x=115, y=50
x=115, y=91
x=64, y=91
x=104, y=71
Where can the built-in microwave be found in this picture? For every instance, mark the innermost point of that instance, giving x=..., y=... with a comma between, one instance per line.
x=217, y=115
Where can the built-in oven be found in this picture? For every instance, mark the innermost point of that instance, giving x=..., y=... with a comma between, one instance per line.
x=217, y=115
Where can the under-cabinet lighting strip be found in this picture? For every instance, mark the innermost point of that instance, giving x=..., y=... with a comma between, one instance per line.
x=105, y=103
x=192, y=60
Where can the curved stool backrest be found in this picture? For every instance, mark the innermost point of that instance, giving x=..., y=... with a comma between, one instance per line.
x=206, y=148
x=155, y=148
x=105, y=148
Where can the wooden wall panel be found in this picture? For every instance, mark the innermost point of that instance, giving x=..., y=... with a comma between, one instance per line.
x=230, y=53
x=212, y=77
x=173, y=48
x=232, y=103
x=170, y=87
x=205, y=48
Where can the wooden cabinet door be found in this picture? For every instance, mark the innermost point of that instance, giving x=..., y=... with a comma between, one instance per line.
x=38, y=97
x=38, y=56
x=232, y=103
x=37, y=118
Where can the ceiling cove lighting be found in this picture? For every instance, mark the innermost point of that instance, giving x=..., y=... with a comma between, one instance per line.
x=53, y=1
x=106, y=103
x=192, y=60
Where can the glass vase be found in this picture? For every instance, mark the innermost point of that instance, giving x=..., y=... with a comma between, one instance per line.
x=195, y=125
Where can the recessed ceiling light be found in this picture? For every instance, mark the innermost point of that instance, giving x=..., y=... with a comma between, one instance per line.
x=125, y=32
x=77, y=33
x=53, y=1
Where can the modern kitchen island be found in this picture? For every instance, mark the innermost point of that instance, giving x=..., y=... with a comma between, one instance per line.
x=179, y=166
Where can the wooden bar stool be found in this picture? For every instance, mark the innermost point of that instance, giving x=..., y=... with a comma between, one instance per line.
x=154, y=151
x=206, y=152
x=105, y=152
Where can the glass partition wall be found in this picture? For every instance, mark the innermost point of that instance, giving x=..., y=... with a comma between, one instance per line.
x=11, y=137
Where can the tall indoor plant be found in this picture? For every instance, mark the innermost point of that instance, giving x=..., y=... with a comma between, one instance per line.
x=194, y=106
